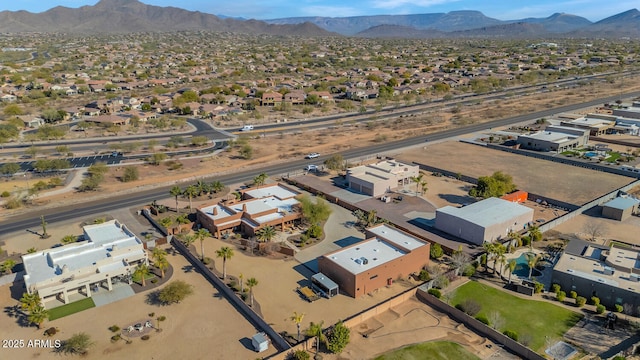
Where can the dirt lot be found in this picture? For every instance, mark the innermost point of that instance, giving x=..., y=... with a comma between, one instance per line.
x=557, y=181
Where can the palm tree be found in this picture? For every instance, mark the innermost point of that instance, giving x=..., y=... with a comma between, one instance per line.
x=260, y=179
x=418, y=180
x=490, y=249
x=142, y=270
x=38, y=315
x=175, y=192
x=241, y=277
x=203, y=187
x=217, y=186
x=190, y=191
x=372, y=217
x=251, y=282
x=7, y=266
x=532, y=260
x=202, y=234
x=188, y=239
x=69, y=239
x=160, y=260
x=534, y=234
x=511, y=266
x=267, y=233
x=162, y=264
x=315, y=330
x=297, y=319
x=29, y=301
x=225, y=253
x=498, y=252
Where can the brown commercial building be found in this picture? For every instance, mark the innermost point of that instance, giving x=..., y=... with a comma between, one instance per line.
x=387, y=254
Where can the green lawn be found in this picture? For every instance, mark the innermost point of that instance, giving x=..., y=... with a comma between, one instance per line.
x=74, y=307
x=432, y=350
x=535, y=319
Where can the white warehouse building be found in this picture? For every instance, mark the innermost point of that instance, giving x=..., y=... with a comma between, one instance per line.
x=484, y=221
x=108, y=254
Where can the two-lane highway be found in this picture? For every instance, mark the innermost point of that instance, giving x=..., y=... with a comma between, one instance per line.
x=118, y=201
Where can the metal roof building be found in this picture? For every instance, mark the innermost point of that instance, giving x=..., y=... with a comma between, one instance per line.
x=483, y=221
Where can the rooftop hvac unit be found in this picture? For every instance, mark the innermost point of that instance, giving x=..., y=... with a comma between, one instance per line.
x=634, y=277
x=365, y=261
x=608, y=270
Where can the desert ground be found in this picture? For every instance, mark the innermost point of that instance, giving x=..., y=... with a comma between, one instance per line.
x=556, y=181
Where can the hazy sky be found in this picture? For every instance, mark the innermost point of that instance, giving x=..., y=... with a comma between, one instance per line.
x=593, y=10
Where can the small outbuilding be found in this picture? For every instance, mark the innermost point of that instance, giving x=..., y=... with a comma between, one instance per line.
x=260, y=342
x=620, y=208
x=322, y=284
x=518, y=196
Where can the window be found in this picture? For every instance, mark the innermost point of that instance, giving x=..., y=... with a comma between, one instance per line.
x=373, y=277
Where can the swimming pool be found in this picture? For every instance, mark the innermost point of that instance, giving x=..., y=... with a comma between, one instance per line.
x=522, y=268
x=591, y=154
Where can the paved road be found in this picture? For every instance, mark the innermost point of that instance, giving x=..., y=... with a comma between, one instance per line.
x=24, y=221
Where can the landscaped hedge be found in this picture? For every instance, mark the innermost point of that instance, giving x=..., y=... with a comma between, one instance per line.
x=512, y=334
x=595, y=301
x=580, y=301
x=600, y=309
x=435, y=292
x=561, y=295
x=555, y=288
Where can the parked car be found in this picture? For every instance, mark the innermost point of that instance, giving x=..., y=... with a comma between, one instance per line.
x=247, y=128
x=311, y=168
x=312, y=156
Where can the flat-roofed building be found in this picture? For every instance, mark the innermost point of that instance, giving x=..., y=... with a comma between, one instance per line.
x=632, y=111
x=108, y=253
x=385, y=255
x=270, y=205
x=611, y=274
x=620, y=208
x=484, y=221
x=376, y=179
x=597, y=124
x=554, y=138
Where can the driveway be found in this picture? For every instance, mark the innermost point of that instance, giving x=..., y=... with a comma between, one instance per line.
x=339, y=233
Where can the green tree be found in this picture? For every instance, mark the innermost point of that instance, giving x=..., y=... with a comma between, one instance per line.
x=29, y=302
x=225, y=253
x=532, y=260
x=13, y=110
x=335, y=162
x=420, y=183
x=297, y=319
x=534, y=233
x=436, y=251
x=315, y=330
x=160, y=260
x=142, y=271
x=251, y=283
x=246, y=151
x=338, y=338
x=166, y=222
x=495, y=185
x=77, y=344
x=201, y=235
x=130, y=174
x=175, y=192
x=511, y=266
x=9, y=169
x=175, y=292
x=191, y=191
x=314, y=212
x=266, y=234
x=260, y=179
x=157, y=158
x=7, y=266
x=37, y=315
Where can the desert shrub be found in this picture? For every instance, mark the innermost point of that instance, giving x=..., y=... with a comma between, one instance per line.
x=595, y=301
x=483, y=319
x=573, y=294
x=511, y=334
x=618, y=308
x=555, y=288
x=115, y=338
x=424, y=275
x=145, y=337
x=5, y=194
x=435, y=292
x=114, y=328
x=314, y=231
x=561, y=295
x=600, y=309
x=469, y=270
x=580, y=301
x=436, y=251
x=299, y=355
x=470, y=306
x=51, y=331
x=338, y=338
x=537, y=287
x=441, y=282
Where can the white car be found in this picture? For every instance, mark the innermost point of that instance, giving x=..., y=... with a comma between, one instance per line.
x=312, y=156
x=311, y=168
x=247, y=128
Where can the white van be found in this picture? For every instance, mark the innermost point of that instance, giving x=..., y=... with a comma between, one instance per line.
x=247, y=128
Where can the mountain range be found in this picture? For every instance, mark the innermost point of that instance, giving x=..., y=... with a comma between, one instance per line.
x=127, y=16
